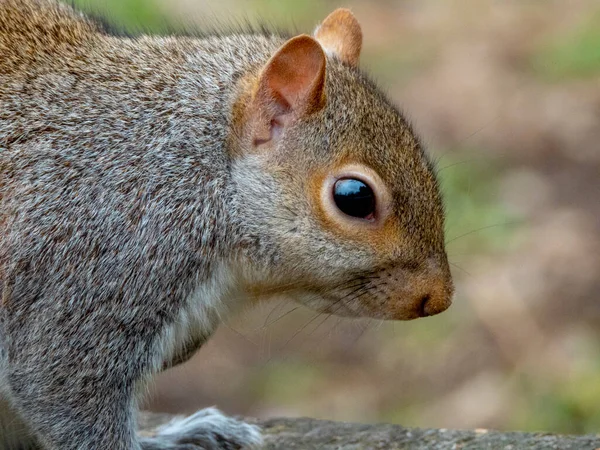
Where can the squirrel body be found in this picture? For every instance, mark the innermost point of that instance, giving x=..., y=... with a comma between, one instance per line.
x=150, y=184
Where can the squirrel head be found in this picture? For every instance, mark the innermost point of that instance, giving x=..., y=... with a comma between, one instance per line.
x=335, y=191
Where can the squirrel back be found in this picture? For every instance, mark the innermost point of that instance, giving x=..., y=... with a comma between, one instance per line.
x=149, y=184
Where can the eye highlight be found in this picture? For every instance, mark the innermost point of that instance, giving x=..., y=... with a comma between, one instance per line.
x=354, y=198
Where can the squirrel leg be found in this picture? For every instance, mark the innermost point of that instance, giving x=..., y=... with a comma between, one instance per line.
x=76, y=420
x=98, y=413
x=79, y=399
x=207, y=429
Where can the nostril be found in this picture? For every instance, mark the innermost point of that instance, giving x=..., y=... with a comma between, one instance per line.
x=423, y=306
x=434, y=303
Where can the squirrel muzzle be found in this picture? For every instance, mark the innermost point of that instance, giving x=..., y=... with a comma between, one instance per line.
x=406, y=293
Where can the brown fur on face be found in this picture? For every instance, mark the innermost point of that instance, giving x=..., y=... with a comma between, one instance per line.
x=359, y=127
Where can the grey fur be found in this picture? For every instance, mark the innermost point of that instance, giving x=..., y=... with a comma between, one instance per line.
x=208, y=428
x=132, y=217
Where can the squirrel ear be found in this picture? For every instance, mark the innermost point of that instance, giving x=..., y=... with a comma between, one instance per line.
x=340, y=34
x=291, y=85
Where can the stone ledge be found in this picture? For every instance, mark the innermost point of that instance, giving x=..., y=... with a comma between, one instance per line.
x=313, y=434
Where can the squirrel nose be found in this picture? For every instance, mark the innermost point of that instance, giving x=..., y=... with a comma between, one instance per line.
x=430, y=305
x=437, y=297
x=423, y=292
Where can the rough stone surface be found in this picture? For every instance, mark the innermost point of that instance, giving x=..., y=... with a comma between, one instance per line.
x=313, y=434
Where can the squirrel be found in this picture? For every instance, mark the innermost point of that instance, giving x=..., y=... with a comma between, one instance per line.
x=149, y=185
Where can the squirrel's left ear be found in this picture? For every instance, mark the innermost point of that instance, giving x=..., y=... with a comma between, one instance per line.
x=340, y=34
x=290, y=86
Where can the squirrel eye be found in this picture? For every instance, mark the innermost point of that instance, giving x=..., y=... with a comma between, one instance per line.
x=354, y=198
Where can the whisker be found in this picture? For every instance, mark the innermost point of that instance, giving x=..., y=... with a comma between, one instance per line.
x=358, y=279
x=480, y=129
x=348, y=295
x=294, y=285
x=481, y=229
x=518, y=88
x=369, y=289
x=321, y=322
x=361, y=334
x=379, y=325
x=337, y=324
x=267, y=324
x=279, y=305
x=302, y=328
x=243, y=336
x=458, y=163
x=460, y=268
x=343, y=287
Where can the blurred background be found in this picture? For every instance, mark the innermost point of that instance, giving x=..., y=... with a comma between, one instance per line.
x=506, y=95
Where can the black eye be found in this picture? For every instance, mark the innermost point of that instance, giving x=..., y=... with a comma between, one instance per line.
x=355, y=198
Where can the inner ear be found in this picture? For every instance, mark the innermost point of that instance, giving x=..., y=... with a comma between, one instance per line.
x=290, y=86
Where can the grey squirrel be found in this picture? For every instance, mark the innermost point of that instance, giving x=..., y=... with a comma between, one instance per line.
x=150, y=184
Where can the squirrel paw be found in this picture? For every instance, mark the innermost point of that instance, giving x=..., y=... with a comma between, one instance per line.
x=207, y=429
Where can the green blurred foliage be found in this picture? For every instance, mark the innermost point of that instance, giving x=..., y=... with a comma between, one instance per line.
x=475, y=218
x=566, y=406
x=575, y=54
x=151, y=16
x=295, y=14
x=272, y=382
x=392, y=67
x=129, y=15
